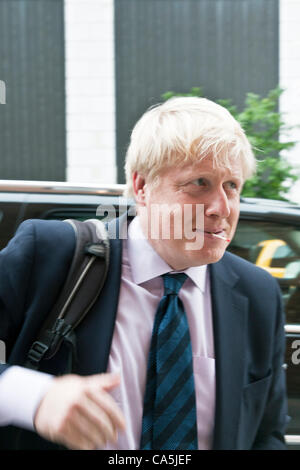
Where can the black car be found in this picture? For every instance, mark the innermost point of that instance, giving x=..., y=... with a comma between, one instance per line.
x=268, y=235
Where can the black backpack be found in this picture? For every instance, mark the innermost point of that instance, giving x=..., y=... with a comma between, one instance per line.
x=81, y=289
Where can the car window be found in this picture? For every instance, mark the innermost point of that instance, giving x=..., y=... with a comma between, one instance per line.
x=276, y=248
x=101, y=212
x=282, y=251
x=10, y=212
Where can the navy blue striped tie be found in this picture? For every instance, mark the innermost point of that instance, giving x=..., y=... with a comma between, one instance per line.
x=169, y=417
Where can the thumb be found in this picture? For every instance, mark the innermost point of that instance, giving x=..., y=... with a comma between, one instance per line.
x=109, y=380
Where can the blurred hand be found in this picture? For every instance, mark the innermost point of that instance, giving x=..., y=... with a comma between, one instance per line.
x=79, y=413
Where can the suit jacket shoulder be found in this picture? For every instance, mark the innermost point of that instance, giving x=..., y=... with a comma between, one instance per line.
x=33, y=268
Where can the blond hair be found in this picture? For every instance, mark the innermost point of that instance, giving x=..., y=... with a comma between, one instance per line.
x=182, y=130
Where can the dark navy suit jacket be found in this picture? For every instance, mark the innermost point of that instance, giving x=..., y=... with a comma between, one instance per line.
x=247, y=319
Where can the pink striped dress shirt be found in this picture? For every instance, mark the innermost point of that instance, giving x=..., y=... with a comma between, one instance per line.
x=141, y=291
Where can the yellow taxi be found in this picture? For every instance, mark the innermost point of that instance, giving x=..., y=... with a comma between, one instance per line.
x=270, y=253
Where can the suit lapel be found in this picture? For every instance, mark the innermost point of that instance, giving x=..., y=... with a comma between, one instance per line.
x=229, y=319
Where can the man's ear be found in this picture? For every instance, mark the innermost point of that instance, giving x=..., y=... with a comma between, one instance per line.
x=139, y=186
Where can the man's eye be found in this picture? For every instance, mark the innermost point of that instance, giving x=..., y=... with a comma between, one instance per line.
x=232, y=185
x=198, y=182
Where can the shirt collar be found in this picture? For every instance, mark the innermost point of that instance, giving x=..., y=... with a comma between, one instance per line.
x=146, y=263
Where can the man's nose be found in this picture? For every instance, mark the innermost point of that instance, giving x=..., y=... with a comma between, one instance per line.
x=218, y=204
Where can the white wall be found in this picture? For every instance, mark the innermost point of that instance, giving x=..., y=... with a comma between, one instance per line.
x=90, y=91
x=289, y=62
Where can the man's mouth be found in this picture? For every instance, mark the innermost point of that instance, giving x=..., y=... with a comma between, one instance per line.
x=217, y=234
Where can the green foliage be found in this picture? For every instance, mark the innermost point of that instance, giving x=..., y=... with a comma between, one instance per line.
x=262, y=123
x=272, y=180
x=195, y=91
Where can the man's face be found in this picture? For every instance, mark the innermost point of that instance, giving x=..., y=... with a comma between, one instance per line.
x=216, y=190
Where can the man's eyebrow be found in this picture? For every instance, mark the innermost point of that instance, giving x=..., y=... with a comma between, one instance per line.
x=198, y=173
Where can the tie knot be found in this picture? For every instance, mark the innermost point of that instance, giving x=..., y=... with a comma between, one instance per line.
x=173, y=282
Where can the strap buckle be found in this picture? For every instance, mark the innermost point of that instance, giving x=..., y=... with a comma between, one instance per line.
x=37, y=351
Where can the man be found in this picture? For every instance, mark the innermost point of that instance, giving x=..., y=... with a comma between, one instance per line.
x=190, y=155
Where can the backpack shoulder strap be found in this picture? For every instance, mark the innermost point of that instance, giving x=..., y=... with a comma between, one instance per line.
x=81, y=289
